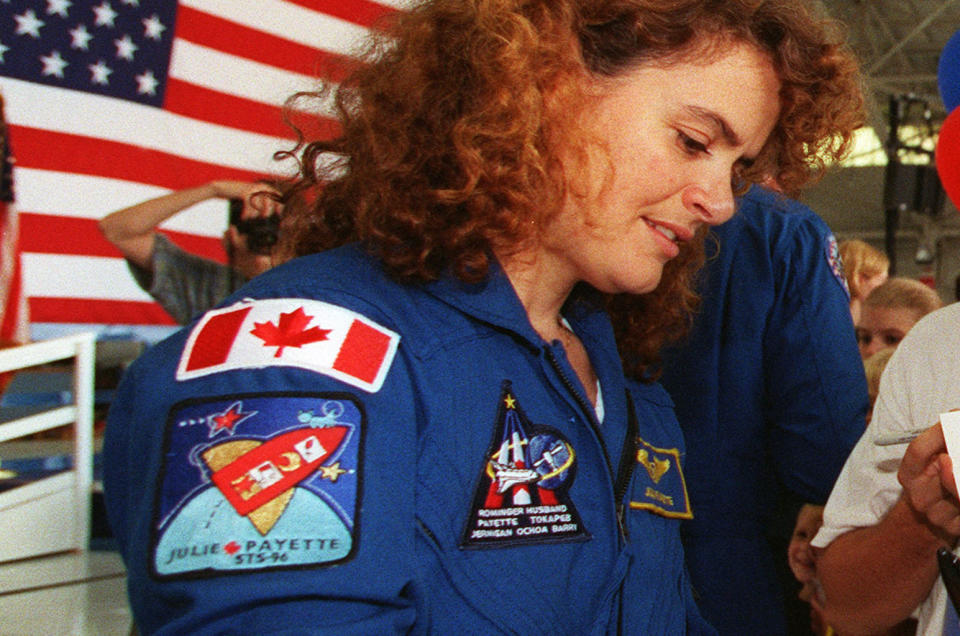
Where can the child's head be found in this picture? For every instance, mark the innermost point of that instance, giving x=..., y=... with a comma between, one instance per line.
x=865, y=267
x=890, y=311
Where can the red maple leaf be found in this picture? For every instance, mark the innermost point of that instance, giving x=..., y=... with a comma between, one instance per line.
x=290, y=330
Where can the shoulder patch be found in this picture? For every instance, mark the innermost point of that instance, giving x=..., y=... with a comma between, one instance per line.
x=522, y=496
x=832, y=250
x=659, y=484
x=291, y=332
x=256, y=482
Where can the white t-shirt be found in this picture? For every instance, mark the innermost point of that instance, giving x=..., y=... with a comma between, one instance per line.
x=921, y=381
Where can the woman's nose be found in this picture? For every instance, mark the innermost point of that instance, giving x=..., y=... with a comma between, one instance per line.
x=711, y=199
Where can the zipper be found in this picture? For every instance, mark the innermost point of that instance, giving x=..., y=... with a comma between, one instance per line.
x=627, y=464
x=624, y=471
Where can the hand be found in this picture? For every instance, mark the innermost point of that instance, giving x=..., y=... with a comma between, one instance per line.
x=230, y=189
x=929, y=487
x=259, y=199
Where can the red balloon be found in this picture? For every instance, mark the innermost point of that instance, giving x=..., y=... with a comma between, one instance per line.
x=948, y=156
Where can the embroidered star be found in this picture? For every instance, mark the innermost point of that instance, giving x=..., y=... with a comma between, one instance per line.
x=105, y=15
x=146, y=83
x=332, y=472
x=228, y=420
x=3, y=50
x=28, y=24
x=125, y=48
x=58, y=7
x=100, y=73
x=53, y=64
x=80, y=37
x=511, y=402
x=153, y=28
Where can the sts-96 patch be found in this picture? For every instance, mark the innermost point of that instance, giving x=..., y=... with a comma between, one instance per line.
x=261, y=481
x=523, y=494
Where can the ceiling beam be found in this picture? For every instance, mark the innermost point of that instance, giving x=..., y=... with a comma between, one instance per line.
x=895, y=49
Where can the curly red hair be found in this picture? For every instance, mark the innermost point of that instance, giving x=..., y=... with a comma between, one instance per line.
x=452, y=124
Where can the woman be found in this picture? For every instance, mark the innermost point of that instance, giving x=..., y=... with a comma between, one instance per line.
x=427, y=428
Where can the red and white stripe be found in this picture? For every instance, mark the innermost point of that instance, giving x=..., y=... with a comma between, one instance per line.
x=82, y=156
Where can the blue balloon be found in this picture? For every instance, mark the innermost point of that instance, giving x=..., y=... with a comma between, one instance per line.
x=948, y=73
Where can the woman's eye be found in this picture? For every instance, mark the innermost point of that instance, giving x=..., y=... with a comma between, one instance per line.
x=690, y=145
x=891, y=340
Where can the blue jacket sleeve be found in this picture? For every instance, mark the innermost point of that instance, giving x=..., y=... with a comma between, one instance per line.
x=816, y=395
x=262, y=500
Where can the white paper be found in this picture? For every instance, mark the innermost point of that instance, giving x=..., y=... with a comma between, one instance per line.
x=950, y=423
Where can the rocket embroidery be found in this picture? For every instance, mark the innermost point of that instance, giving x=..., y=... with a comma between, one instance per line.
x=258, y=481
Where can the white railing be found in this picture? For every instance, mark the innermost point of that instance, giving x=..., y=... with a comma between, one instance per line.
x=51, y=514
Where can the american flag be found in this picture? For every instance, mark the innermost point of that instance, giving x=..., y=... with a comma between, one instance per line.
x=113, y=102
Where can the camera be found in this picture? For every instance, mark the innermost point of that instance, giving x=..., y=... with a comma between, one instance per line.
x=261, y=232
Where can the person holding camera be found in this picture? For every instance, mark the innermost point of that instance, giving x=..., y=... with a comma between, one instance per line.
x=186, y=284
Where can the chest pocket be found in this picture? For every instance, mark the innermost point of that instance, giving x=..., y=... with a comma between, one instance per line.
x=658, y=484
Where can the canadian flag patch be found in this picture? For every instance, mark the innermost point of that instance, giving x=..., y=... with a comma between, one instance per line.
x=291, y=332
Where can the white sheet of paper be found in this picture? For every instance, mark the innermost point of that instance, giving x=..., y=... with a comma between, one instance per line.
x=951, y=433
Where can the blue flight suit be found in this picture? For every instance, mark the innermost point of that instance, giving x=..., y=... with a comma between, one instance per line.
x=771, y=396
x=348, y=455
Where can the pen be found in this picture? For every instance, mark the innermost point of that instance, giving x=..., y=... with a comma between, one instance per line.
x=898, y=438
